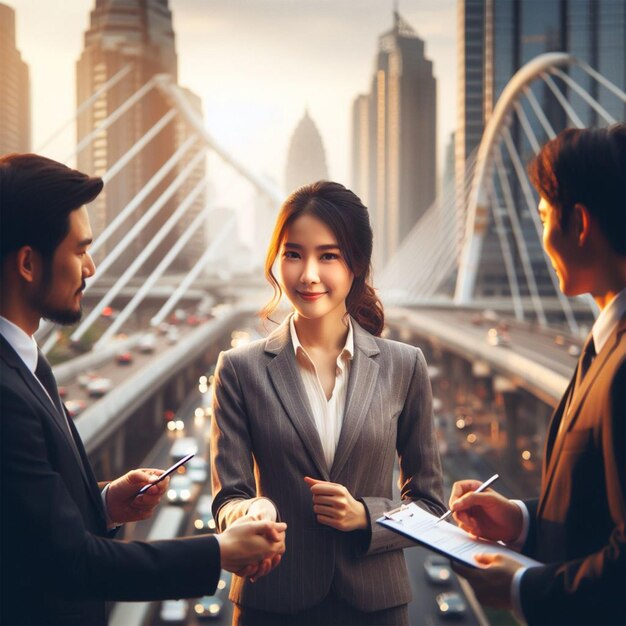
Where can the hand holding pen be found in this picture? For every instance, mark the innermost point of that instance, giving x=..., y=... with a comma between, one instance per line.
x=483, y=512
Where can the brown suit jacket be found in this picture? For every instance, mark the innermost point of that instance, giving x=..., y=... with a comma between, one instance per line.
x=577, y=525
x=264, y=441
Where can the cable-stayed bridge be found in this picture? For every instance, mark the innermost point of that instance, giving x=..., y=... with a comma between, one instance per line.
x=484, y=227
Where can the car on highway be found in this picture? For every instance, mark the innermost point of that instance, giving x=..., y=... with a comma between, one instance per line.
x=182, y=447
x=75, y=407
x=175, y=425
x=172, y=335
x=573, y=350
x=174, y=611
x=497, y=337
x=98, y=387
x=210, y=607
x=198, y=469
x=437, y=569
x=180, y=490
x=203, y=521
x=124, y=358
x=450, y=604
x=84, y=379
x=147, y=343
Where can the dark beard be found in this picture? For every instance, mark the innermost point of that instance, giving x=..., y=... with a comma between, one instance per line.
x=64, y=317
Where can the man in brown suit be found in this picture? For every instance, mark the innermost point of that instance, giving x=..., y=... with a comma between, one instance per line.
x=576, y=527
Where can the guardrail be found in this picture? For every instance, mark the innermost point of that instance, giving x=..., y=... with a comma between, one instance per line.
x=525, y=373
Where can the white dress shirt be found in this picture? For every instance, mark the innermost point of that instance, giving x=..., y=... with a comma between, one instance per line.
x=601, y=331
x=327, y=412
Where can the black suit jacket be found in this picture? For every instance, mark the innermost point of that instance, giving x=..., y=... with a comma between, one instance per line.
x=58, y=565
x=577, y=525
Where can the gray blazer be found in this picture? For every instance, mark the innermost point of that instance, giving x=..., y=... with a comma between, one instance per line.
x=264, y=441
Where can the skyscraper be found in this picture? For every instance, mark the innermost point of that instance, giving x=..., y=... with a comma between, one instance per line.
x=394, y=138
x=135, y=36
x=306, y=158
x=14, y=90
x=495, y=39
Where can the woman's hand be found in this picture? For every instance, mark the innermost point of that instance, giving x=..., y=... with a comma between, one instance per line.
x=334, y=506
x=261, y=509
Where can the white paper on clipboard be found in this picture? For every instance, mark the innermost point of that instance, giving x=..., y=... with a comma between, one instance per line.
x=445, y=538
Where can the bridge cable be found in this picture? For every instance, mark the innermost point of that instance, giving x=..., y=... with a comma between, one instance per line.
x=194, y=272
x=147, y=250
x=520, y=240
x=585, y=95
x=113, y=117
x=506, y=251
x=138, y=146
x=143, y=193
x=605, y=82
x=543, y=120
x=528, y=195
x=87, y=103
x=150, y=281
x=567, y=107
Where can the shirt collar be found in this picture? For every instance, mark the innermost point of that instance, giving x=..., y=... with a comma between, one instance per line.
x=22, y=343
x=348, y=349
x=608, y=319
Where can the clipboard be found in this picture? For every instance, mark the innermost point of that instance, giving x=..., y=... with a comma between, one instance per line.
x=445, y=538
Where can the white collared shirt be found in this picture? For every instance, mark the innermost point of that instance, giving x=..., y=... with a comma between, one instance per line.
x=327, y=413
x=608, y=319
x=21, y=342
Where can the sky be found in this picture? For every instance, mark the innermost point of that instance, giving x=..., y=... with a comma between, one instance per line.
x=257, y=64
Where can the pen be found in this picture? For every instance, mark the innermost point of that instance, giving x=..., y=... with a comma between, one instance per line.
x=166, y=473
x=482, y=487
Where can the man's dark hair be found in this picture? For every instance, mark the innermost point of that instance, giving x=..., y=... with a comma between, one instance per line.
x=37, y=196
x=586, y=166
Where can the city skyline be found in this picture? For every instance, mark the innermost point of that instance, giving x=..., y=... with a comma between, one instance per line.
x=261, y=73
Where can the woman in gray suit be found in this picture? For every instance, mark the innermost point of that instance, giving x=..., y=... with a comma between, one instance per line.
x=308, y=422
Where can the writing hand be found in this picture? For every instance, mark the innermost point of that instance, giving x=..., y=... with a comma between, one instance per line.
x=487, y=514
x=123, y=503
x=334, y=506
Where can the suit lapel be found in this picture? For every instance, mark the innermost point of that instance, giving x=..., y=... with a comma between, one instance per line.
x=553, y=430
x=570, y=410
x=363, y=377
x=284, y=374
x=13, y=360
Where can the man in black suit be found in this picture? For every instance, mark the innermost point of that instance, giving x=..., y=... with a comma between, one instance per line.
x=59, y=561
x=576, y=527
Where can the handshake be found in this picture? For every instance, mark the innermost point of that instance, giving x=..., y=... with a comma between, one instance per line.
x=252, y=548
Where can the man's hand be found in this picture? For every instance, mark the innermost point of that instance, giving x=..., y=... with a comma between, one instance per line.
x=492, y=581
x=123, y=503
x=262, y=509
x=252, y=548
x=334, y=506
x=487, y=514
